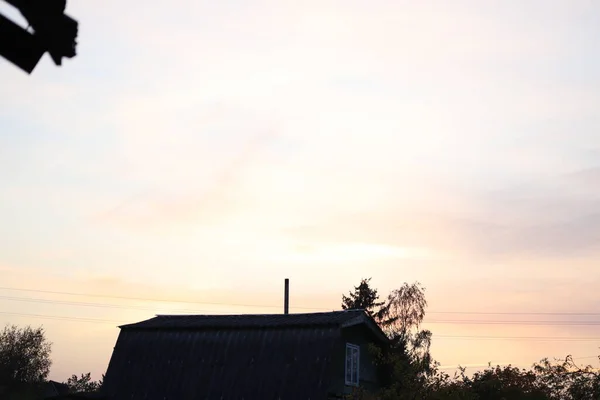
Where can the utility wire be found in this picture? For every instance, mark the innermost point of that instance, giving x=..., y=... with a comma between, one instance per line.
x=156, y=300
x=457, y=337
x=432, y=321
x=528, y=323
x=526, y=338
x=88, y=304
x=62, y=318
x=195, y=311
x=163, y=300
x=493, y=364
x=513, y=313
x=584, y=358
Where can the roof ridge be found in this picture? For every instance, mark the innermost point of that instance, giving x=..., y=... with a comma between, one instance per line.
x=174, y=321
x=259, y=315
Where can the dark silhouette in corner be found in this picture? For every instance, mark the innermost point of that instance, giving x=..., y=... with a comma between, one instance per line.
x=53, y=32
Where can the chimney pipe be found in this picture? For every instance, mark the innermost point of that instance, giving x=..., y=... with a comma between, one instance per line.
x=286, y=297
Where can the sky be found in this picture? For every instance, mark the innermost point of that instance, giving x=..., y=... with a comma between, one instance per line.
x=196, y=153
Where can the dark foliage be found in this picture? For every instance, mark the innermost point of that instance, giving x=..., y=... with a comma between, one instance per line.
x=24, y=355
x=363, y=297
x=84, y=383
x=406, y=363
x=559, y=380
x=499, y=383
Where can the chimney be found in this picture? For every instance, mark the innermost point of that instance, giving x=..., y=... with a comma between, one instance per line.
x=286, y=297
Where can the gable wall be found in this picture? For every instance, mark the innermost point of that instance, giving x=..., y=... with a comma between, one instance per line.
x=361, y=336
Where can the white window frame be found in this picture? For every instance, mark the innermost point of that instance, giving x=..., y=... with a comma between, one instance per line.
x=354, y=364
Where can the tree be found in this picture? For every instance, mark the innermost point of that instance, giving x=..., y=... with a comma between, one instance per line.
x=363, y=297
x=404, y=309
x=83, y=383
x=500, y=383
x=567, y=380
x=441, y=386
x=24, y=355
x=406, y=363
x=558, y=380
x=401, y=317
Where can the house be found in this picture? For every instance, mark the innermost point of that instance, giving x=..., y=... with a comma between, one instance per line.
x=33, y=391
x=278, y=356
x=53, y=388
x=77, y=396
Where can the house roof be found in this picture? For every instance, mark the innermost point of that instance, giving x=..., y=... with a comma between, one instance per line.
x=250, y=320
x=77, y=396
x=58, y=388
x=285, y=356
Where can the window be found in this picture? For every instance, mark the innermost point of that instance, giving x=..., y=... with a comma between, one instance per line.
x=352, y=364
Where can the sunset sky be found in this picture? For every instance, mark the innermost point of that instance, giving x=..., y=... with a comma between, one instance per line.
x=196, y=153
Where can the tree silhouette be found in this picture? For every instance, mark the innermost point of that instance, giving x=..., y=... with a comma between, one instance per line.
x=84, y=383
x=401, y=317
x=24, y=355
x=567, y=380
x=363, y=297
x=499, y=383
x=406, y=364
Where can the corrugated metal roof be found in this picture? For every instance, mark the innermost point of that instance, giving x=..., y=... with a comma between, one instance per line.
x=248, y=320
x=275, y=363
x=57, y=388
x=77, y=396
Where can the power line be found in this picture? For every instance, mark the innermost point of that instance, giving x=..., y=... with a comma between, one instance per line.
x=584, y=358
x=154, y=309
x=513, y=313
x=62, y=318
x=527, y=338
x=541, y=323
x=88, y=304
x=493, y=364
x=156, y=300
x=459, y=337
x=163, y=300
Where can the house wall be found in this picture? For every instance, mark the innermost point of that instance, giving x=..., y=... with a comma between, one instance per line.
x=368, y=375
x=23, y=392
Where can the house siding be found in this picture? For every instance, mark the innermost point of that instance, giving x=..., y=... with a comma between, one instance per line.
x=368, y=374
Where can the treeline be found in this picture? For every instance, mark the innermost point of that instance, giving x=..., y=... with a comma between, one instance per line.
x=410, y=372
x=546, y=380
x=25, y=363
